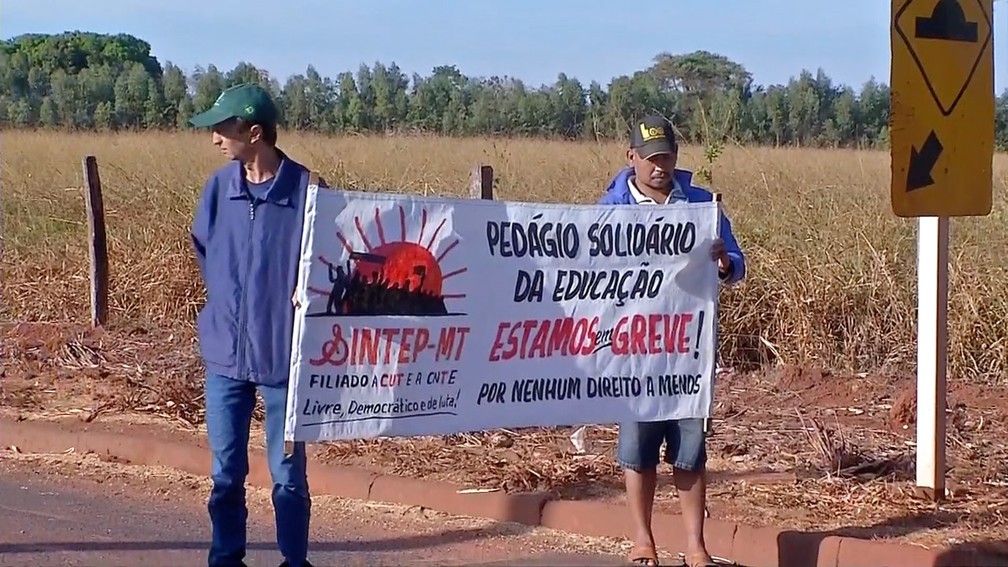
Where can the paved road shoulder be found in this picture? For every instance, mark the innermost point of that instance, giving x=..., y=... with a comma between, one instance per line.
x=78, y=510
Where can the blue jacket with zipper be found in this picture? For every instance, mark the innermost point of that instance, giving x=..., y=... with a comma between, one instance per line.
x=618, y=193
x=247, y=248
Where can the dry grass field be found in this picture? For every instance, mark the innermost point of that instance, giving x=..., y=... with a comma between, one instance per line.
x=832, y=270
x=824, y=323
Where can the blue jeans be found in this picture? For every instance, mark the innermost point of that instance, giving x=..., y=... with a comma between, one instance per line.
x=229, y=406
x=639, y=445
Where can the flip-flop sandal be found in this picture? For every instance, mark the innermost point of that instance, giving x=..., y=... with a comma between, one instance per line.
x=643, y=555
x=715, y=562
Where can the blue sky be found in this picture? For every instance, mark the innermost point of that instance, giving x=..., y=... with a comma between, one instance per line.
x=530, y=39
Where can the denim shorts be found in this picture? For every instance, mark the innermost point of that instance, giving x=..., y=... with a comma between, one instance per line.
x=640, y=444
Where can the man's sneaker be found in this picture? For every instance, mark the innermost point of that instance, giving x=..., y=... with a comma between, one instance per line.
x=287, y=564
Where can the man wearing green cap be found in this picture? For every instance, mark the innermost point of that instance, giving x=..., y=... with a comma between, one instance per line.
x=247, y=237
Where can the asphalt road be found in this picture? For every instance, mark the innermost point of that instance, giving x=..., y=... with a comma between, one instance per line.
x=46, y=522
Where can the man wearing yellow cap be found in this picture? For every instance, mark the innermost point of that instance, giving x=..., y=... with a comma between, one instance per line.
x=651, y=178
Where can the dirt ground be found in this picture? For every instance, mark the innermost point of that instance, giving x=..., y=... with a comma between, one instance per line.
x=793, y=448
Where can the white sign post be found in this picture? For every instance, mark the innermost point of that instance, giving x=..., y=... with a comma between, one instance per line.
x=932, y=350
x=942, y=149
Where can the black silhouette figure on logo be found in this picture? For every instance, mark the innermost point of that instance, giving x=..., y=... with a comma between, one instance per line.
x=389, y=276
x=339, y=277
x=367, y=290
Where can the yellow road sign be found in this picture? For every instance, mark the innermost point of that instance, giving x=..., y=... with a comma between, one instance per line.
x=942, y=107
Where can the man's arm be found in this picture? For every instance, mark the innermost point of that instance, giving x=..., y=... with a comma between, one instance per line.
x=199, y=233
x=737, y=263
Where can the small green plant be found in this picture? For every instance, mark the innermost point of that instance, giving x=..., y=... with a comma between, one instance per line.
x=712, y=151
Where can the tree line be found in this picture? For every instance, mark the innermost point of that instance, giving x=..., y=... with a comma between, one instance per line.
x=89, y=81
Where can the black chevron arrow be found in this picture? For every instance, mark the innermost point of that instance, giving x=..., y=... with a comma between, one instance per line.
x=922, y=163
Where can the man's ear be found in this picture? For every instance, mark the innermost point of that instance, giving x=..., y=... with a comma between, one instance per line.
x=255, y=133
x=629, y=157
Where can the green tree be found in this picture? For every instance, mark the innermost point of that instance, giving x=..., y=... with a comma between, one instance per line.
x=81, y=80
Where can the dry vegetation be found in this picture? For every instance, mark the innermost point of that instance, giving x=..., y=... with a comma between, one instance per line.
x=831, y=286
x=831, y=282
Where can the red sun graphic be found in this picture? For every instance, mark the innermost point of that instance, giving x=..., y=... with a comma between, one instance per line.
x=408, y=264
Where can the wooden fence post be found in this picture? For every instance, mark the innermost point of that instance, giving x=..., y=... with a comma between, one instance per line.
x=97, y=242
x=481, y=182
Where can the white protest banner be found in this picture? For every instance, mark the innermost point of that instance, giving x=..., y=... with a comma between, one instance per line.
x=431, y=316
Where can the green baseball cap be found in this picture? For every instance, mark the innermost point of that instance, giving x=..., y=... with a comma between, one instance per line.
x=248, y=101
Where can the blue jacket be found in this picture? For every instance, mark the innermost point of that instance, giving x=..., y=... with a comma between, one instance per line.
x=618, y=193
x=247, y=249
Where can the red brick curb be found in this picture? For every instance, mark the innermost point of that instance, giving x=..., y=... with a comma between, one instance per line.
x=750, y=546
